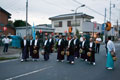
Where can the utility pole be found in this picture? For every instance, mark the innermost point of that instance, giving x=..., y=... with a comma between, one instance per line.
x=110, y=12
x=105, y=32
x=105, y=15
x=27, y=17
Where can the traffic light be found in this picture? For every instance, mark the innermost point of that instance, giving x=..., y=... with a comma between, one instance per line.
x=108, y=26
x=70, y=29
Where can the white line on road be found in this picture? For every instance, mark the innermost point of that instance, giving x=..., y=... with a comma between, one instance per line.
x=29, y=73
x=8, y=61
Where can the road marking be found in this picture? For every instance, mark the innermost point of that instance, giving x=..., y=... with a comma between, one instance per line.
x=8, y=60
x=29, y=73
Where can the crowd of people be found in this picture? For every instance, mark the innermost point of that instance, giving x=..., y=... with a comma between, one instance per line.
x=69, y=46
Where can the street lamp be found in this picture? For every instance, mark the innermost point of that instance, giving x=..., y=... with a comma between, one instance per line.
x=76, y=14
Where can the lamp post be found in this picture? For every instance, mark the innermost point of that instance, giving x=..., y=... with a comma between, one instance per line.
x=111, y=6
x=76, y=14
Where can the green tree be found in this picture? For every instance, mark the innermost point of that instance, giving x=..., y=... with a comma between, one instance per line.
x=19, y=23
x=10, y=23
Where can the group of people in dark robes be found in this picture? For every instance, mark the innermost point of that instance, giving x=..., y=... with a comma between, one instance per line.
x=72, y=47
x=30, y=48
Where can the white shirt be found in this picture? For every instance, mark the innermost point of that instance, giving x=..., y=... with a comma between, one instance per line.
x=6, y=40
x=25, y=42
x=83, y=43
x=81, y=39
x=45, y=42
x=59, y=43
x=35, y=42
x=91, y=43
x=110, y=46
x=98, y=39
x=30, y=42
x=50, y=40
x=75, y=41
x=69, y=43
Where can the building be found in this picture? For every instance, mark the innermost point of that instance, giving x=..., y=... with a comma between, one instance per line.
x=4, y=16
x=41, y=29
x=79, y=21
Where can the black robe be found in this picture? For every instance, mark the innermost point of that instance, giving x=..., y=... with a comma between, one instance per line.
x=85, y=50
x=37, y=47
x=77, y=47
x=92, y=57
x=60, y=48
x=25, y=52
x=47, y=50
x=71, y=50
x=30, y=48
x=51, y=45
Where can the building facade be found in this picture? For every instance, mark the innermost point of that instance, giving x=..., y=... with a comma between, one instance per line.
x=21, y=31
x=4, y=16
x=79, y=21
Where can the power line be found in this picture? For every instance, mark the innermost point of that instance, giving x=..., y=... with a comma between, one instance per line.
x=91, y=9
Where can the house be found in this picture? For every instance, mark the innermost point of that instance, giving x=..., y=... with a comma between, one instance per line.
x=4, y=16
x=79, y=21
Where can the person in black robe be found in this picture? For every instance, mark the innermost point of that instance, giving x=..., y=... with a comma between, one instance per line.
x=46, y=49
x=65, y=43
x=91, y=58
x=24, y=46
x=71, y=49
x=31, y=46
x=60, y=48
x=77, y=47
x=84, y=47
x=51, y=44
x=36, y=47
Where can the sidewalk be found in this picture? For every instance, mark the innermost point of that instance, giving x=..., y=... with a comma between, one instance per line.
x=12, y=52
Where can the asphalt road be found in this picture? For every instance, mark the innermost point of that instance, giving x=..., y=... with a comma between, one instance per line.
x=52, y=70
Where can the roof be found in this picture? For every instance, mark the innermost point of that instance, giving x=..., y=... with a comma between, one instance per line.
x=70, y=16
x=1, y=9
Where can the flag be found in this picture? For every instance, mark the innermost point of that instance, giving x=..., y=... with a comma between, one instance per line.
x=33, y=31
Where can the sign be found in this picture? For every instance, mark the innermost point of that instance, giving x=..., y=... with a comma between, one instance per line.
x=95, y=24
x=108, y=26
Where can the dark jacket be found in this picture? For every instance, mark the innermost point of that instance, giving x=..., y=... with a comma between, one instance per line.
x=47, y=46
x=93, y=47
x=22, y=44
x=38, y=43
x=62, y=46
x=71, y=48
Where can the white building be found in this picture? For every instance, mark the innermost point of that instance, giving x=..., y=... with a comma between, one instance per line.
x=79, y=21
x=21, y=31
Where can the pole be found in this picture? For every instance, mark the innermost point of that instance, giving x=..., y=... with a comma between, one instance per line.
x=26, y=17
x=105, y=32
x=110, y=12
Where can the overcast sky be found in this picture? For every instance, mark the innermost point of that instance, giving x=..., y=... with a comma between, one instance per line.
x=41, y=10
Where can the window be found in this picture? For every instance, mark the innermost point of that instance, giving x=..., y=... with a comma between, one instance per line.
x=68, y=23
x=73, y=23
x=58, y=24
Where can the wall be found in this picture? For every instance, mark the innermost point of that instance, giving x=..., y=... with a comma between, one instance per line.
x=3, y=18
x=9, y=31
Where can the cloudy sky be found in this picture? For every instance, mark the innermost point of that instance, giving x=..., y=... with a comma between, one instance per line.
x=41, y=10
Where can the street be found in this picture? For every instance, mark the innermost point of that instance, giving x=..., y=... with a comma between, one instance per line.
x=53, y=70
